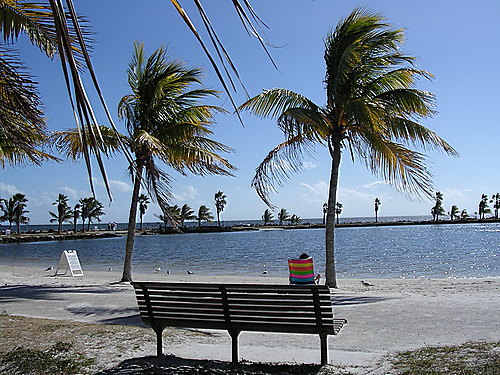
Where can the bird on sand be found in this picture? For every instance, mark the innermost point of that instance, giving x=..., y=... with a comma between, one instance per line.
x=157, y=269
x=190, y=272
x=110, y=269
x=366, y=283
x=50, y=268
x=168, y=272
x=264, y=272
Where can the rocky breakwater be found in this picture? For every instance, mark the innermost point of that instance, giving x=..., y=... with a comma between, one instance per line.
x=45, y=236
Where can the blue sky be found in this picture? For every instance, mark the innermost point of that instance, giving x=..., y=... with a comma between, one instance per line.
x=457, y=41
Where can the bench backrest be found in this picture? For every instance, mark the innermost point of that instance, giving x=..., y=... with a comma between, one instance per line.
x=238, y=307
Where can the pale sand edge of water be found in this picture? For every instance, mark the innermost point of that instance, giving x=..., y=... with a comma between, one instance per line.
x=392, y=315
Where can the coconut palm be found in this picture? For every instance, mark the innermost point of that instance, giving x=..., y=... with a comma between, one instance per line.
x=483, y=207
x=454, y=213
x=294, y=219
x=91, y=209
x=143, y=206
x=204, y=214
x=438, y=209
x=338, y=210
x=267, y=217
x=371, y=112
x=64, y=212
x=9, y=211
x=220, y=203
x=20, y=201
x=76, y=215
x=464, y=215
x=186, y=213
x=325, y=210
x=283, y=215
x=495, y=199
x=377, y=206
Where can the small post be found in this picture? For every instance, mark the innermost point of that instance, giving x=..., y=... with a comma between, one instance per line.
x=324, y=349
x=234, y=345
x=159, y=342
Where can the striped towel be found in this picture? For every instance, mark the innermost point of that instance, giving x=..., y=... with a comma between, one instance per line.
x=301, y=271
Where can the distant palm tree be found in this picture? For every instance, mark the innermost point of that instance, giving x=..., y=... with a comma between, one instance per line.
x=454, y=213
x=19, y=210
x=91, y=209
x=143, y=206
x=496, y=203
x=76, y=215
x=464, y=215
x=64, y=212
x=371, y=111
x=283, y=215
x=220, y=203
x=267, y=216
x=9, y=211
x=483, y=207
x=294, y=219
x=204, y=214
x=325, y=211
x=438, y=209
x=338, y=210
x=186, y=213
x=377, y=205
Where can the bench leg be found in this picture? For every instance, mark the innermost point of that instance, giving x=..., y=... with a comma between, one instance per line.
x=234, y=345
x=159, y=341
x=324, y=349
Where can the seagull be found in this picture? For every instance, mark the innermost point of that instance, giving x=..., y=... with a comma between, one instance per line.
x=110, y=269
x=158, y=269
x=50, y=268
x=264, y=272
x=190, y=272
x=366, y=283
x=168, y=272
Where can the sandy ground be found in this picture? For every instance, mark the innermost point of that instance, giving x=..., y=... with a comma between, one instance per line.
x=392, y=315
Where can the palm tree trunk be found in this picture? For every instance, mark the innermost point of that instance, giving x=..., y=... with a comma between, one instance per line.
x=331, y=277
x=218, y=218
x=129, y=245
x=18, y=225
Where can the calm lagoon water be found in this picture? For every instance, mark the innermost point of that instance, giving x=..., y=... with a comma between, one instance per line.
x=434, y=251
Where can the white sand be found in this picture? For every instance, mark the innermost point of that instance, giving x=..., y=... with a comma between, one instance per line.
x=393, y=315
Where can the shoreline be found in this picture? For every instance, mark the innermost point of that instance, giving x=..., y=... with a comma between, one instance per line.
x=69, y=235
x=393, y=315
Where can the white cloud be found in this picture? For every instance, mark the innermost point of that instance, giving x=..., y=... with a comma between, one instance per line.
x=375, y=184
x=319, y=189
x=187, y=193
x=10, y=189
x=308, y=165
x=120, y=186
x=70, y=192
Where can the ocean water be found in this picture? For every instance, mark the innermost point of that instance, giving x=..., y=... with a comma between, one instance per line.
x=430, y=251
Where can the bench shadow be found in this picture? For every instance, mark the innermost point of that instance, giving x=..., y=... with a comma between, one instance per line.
x=346, y=300
x=10, y=293
x=173, y=365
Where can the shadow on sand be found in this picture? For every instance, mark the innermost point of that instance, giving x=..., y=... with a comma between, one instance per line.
x=345, y=300
x=172, y=365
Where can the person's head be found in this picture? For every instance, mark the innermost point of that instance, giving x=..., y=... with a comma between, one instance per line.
x=304, y=256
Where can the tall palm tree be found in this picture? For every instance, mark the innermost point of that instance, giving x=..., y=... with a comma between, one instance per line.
x=283, y=215
x=377, y=206
x=204, y=214
x=76, y=215
x=325, y=211
x=371, y=112
x=483, y=207
x=64, y=212
x=143, y=206
x=186, y=213
x=496, y=203
x=9, y=211
x=91, y=209
x=267, y=217
x=438, y=209
x=454, y=213
x=165, y=122
x=19, y=210
x=338, y=210
x=294, y=219
x=220, y=203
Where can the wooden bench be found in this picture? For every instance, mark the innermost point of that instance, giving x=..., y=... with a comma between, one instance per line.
x=238, y=307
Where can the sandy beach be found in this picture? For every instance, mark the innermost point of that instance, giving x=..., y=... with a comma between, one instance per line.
x=392, y=315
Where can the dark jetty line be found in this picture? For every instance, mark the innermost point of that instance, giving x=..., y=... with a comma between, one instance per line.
x=45, y=236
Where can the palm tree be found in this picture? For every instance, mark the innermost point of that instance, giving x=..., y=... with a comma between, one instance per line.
x=294, y=219
x=338, y=210
x=464, y=215
x=91, y=209
x=483, y=207
x=64, y=212
x=186, y=213
x=220, y=202
x=204, y=214
x=267, y=216
x=495, y=198
x=325, y=210
x=438, y=209
x=371, y=110
x=165, y=122
x=283, y=215
x=377, y=205
x=19, y=210
x=9, y=211
x=454, y=213
x=143, y=206
x=76, y=215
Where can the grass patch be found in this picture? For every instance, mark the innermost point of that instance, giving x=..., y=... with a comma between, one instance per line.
x=467, y=359
x=59, y=359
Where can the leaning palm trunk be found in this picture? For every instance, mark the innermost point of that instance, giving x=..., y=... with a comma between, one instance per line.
x=129, y=245
x=331, y=275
